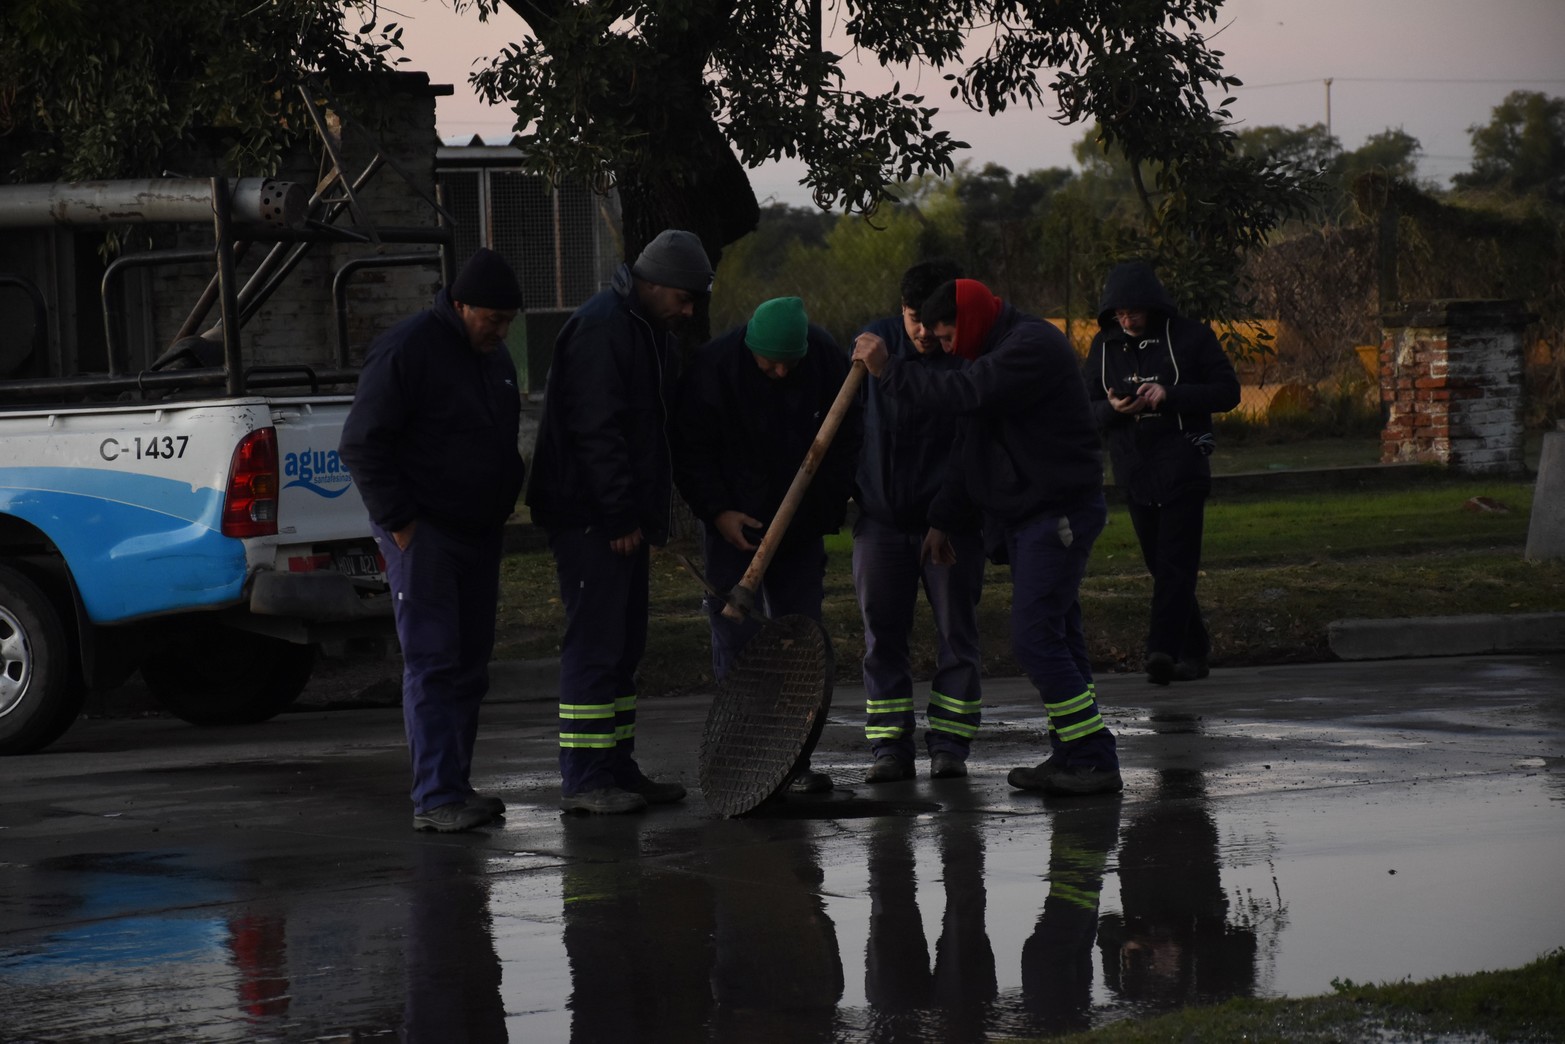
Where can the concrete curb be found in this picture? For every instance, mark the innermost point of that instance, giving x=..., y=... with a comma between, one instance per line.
x=1473, y=635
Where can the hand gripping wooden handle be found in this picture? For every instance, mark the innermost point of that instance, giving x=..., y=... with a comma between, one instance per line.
x=741, y=600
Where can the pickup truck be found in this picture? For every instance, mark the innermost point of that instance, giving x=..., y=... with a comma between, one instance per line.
x=191, y=520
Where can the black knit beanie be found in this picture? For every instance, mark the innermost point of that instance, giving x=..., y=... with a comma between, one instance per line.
x=487, y=281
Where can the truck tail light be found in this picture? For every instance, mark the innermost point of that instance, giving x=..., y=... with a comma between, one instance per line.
x=250, y=505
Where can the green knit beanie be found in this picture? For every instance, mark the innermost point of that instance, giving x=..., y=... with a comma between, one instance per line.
x=779, y=329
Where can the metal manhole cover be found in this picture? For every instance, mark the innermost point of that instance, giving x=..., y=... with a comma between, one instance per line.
x=767, y=715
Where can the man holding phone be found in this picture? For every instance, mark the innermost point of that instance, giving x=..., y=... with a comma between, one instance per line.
x=1155, y=379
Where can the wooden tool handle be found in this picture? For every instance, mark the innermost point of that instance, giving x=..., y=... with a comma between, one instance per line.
x=751, y=581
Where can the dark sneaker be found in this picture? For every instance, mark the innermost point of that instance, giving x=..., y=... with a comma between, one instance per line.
x=1191, y=670
x=809, y=781
x=605, y=801
x=488, y=802
x=889, y=769
x=657, y=793
x=947, y=766
x=1034, y=778
x=1079, y=781
x=452, y=818
x=1160, y=668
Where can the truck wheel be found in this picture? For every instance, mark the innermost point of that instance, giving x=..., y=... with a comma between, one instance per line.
x=215, y=675
x=38, y=697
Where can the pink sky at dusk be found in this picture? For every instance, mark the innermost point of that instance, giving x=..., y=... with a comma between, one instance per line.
x=1430, y=67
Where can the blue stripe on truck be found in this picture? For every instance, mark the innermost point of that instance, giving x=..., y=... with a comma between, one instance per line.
x=136, y=545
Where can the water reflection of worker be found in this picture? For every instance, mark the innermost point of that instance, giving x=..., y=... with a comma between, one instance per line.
x=453, y=973
x=638, y=939
x=898, y=982
x=965, y=984
x=777, y=973
x=1057, y=957
x=1173, y=945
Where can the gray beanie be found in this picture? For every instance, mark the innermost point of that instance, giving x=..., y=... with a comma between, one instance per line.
x=675, y=258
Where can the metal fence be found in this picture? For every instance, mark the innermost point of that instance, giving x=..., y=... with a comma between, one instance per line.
x=564, y=241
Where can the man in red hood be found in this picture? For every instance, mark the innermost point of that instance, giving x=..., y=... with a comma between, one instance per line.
x=1028, y=468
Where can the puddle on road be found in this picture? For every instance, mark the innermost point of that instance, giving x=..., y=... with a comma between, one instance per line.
x=934, y=924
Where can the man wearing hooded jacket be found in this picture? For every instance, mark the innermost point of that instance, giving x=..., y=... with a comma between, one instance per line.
x=1155, y=379
x=602, y=487
x=1028, y=466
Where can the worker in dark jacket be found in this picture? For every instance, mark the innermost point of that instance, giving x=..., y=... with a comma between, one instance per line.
x=602, y=487
x=1028, y=467
x=1155, y=379
x=749, y=408
x=900, y=470
x=431, y=442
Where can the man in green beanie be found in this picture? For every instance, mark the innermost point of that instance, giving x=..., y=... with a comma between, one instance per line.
x=748, y=409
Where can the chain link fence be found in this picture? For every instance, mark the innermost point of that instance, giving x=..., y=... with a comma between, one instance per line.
x=564, y=241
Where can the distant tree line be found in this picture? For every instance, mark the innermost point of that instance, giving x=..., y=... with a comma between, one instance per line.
x=1045, y=238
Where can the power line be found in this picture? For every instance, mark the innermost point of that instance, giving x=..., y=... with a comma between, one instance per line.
x=1399, y=79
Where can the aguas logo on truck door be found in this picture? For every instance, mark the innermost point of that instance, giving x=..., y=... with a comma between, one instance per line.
x=322, y=472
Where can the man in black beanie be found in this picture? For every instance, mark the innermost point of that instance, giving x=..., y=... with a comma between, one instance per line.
x=602, y=486
x=431, y=441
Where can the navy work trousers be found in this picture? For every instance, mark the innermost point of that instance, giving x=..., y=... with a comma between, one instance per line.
x=1170, y=538
x=605, y=598
x=445, y=588
x=794, y=584
x=886, y=576
x=1048, y=562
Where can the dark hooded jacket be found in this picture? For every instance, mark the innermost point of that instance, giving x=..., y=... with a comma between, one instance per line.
x=602, y=459
x=905, y=450
x=1159, y=455
x=1025, y=445
x=740, y=436
x=432, y=433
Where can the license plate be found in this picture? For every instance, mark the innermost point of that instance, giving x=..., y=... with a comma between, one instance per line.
x=357, y=563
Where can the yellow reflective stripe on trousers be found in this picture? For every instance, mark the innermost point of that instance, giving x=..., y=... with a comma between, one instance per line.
x=955, y=706
x=1080, y=729
x=955, y=728
x=586, y=711
x=1074, y=705
x=888, y=706
x=588, y=740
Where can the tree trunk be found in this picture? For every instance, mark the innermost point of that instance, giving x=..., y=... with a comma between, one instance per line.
x=712, y=197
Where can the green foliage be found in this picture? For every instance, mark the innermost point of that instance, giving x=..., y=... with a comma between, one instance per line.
x=654, y=93
x=1391, y=152
x=1277, y=569
x=117, y=88
x=1521, y=150
x=1526, y=1003
x=847, y=277
x=1319, y=158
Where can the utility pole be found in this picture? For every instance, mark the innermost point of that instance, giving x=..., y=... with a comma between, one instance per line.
x=1328, y=106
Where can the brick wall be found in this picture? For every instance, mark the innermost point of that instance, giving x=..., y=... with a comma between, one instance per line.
x=1451, y=385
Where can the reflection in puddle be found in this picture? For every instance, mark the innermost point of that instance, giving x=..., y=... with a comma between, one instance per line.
x=957, y=920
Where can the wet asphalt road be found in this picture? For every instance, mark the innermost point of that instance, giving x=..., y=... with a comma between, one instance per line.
x=1280, y=827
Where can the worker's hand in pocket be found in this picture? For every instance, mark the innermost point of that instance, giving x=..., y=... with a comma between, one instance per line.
x=937, y=548
x=731, y=527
